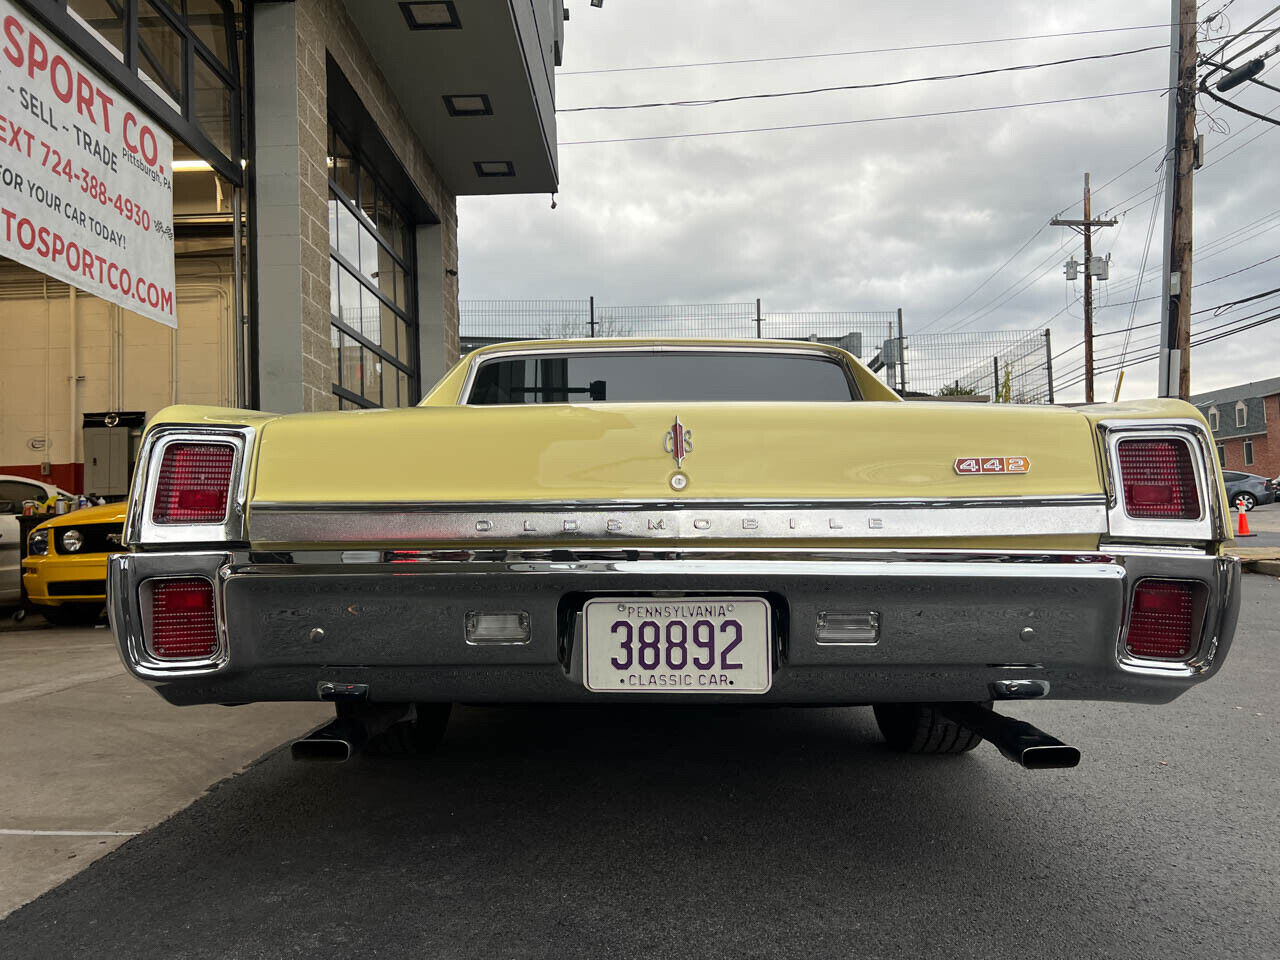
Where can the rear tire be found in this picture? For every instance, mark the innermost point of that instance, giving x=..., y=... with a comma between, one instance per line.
x=1246, y=500
x=409, y=737
x=921, y=728
x=72, y=614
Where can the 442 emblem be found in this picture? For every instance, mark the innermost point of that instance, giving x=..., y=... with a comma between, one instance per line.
x=971, y=465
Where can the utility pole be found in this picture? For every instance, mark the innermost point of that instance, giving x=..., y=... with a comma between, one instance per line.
x=1085, y=227
x=1175, y=326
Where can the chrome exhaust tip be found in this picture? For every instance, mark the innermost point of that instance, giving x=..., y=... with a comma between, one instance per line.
x=335, y=742
x=1017, y=740
x=323, y=750
x=1050, y=757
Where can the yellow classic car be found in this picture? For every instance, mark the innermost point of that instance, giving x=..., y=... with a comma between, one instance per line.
x=660, y=521
x=65, y=570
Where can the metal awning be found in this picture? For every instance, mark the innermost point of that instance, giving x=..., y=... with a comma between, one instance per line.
x=476, y=81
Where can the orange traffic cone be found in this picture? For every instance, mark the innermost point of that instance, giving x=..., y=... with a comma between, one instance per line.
x=1242, y=521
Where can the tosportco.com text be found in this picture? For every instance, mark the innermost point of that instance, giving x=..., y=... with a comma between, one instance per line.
x=50, y=245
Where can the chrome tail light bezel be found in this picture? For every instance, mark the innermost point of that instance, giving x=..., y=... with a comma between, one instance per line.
x=1208, y=526
x=140, y=527
x=1203, y=647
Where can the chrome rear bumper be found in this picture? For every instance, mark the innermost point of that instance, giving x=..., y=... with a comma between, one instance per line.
x=951, y=626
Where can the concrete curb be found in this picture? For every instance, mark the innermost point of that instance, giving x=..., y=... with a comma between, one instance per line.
x=1269, y=567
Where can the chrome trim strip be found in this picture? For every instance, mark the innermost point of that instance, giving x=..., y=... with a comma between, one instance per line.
x=1188, y=431
x=140, y=529
x=834, y=354
x=398, y=523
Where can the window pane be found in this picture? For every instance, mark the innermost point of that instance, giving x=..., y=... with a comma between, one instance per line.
x=349, y=288
x=208, y=22
x=351, y=364
x=402, y=290
x=370, y=316
x=335, y=357
x=395, y=234
x=384, y=216
x=404, y=345
x=387, y=335
x=103, y=17
x=160, y=51
x=333, y=222
x=333, y=289
x=348, y=235
x=344, y=174
x=212, y=106
x=372, y=365
x=368, y=196
x=386, y=275
x=743, y=376
x=368, y=259
x=405, y=399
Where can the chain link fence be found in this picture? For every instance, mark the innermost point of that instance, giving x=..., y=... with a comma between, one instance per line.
x=1010, y=366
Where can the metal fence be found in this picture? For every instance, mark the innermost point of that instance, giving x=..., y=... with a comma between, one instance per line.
x=1006, y=365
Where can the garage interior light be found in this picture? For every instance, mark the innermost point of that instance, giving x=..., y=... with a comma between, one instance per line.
x=495, y=168
x=431, y=15
x=468, y=105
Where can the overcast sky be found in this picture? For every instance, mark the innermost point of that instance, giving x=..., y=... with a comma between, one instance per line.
x=909, y=213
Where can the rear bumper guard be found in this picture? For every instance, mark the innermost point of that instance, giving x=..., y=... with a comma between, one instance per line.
x=949, y=627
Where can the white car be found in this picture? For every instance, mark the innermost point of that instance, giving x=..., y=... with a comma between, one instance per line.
x=13, y=491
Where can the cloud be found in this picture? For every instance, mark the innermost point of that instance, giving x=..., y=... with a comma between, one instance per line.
x=876, y=216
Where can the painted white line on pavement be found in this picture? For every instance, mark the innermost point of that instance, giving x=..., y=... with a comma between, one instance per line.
x=68, y=833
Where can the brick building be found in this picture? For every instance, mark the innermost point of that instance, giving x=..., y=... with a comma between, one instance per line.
x=1246, y=425
x=319, y=148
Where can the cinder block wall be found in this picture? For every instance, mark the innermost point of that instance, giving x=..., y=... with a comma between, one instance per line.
x=302, y=381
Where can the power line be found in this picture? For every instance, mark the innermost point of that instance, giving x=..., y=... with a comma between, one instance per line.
x=1231, y=328
x=1147, y=341
x=858, y=53
x=710, y=101
x=992, y=276
x=841, y=123
x=1013, y=290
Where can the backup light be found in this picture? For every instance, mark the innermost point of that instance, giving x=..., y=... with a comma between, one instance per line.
x=1158, y=479
x=507, y=627
x=194, y=483
x=861, y=627
x=182, y=619
x=1162, y=620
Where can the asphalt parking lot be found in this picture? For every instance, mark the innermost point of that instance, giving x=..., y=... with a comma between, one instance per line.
x=593, y=832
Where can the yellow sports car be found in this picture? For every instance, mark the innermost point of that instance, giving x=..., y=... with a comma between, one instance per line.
x=65, y=570
x=659, y=521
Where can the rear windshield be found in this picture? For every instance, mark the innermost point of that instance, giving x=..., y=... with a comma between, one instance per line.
x=653, y=377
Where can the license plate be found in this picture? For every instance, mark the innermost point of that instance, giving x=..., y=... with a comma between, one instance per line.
x=698, y=645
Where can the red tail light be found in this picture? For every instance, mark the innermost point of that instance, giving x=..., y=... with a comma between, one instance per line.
x=1162, y=621
x=1158, y=479
x=194, y=483
x=182, y=621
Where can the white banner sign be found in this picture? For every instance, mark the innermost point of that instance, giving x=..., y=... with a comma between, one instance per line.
x=86, y=186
